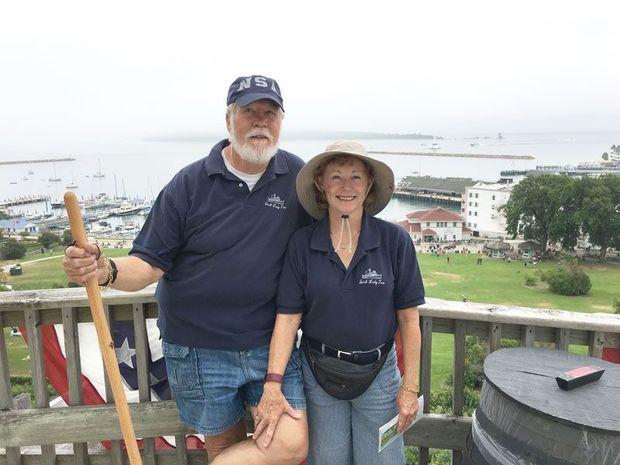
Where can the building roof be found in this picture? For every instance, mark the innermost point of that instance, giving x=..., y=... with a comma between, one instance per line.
x=499, y=245
x=429, y=232
x=428, y=183
x=485, y=186
x=436, y=214
x=410, y=227
x=529, y=245
x=466, y=229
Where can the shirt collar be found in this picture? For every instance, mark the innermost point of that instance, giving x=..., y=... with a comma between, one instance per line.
x=369, y=235
x=214, y=163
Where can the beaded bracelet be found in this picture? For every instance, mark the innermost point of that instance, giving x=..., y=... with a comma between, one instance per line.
x=108, y=281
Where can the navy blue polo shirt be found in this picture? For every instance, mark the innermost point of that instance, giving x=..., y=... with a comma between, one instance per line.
x=354, y=308
x=221, y=248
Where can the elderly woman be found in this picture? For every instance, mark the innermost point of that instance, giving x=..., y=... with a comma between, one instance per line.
x=351, y=280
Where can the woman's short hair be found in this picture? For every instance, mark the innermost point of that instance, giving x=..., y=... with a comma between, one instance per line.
x=319, y=195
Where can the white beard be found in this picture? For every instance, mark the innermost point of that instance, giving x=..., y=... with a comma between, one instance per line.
x=251, y=154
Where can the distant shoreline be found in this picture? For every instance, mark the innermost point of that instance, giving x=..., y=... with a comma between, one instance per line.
x=41, y=160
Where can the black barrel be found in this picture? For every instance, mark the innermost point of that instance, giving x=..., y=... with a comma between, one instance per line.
x=524, y=418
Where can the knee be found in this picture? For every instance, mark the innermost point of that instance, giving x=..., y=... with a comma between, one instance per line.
x=288, y=450
x=293, y=451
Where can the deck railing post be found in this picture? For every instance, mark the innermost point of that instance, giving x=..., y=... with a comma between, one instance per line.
x=6, y=399
x=39, y=380
x=458, y=384
x=144, y=380
x=426, y=356
x=116, y=451
x=74, y=371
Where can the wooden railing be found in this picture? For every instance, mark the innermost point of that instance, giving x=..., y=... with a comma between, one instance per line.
x=79, y=424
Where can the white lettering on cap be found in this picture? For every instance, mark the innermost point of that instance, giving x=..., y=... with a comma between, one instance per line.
x=260, y=81
x=244, y=84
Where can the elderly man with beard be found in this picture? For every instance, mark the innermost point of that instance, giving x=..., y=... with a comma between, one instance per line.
x=215, y=241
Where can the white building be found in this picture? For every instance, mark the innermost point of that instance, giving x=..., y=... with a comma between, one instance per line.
x=480, y=208
x=436, y=225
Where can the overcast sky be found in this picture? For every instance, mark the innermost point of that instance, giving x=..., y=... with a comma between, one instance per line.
x=131, y=69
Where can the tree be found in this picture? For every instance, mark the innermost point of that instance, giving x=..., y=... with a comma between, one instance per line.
x=47, y=239
x=3, y=216
x=67, y=238
x=605, y=156
x=12, y=250
x=533, y=207
x=565, y=227
x=600, y=213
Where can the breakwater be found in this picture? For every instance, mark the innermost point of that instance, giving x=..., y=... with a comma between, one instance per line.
x=40, y=160
x=456, y=155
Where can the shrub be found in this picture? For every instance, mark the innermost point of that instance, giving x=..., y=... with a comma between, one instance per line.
x=12, y=250
x=24, y=233
x=530, y=280
x=616, y=305
x=568, y=279
x=47, y=239
x=67, y=238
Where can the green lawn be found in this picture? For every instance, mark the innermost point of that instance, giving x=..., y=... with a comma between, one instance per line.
x=48, y=274
x=495, y=281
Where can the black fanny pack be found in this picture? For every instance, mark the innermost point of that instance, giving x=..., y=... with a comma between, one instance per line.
x=343, y=379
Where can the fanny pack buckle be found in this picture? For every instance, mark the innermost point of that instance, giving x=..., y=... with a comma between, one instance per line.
x=343, y=352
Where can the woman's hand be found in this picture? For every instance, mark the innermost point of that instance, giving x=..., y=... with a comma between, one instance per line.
x=271, y=407
x=407, y=408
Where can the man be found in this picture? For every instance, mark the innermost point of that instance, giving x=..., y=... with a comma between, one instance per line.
x=215, y=240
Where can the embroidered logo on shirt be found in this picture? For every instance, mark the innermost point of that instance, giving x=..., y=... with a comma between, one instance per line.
x=274, y=201
x=371, y=277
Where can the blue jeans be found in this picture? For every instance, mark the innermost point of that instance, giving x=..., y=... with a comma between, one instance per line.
x=346, y=432
x=213, y=387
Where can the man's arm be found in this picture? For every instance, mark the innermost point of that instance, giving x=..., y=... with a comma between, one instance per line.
x=134, y=274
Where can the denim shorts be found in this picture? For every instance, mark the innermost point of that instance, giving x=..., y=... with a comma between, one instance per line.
x=212, y=388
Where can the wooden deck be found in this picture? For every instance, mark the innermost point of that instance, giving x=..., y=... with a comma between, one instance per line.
x=79, y=424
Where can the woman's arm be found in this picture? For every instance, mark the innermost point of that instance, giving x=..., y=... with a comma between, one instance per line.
x=273, y=404
x=407, y=400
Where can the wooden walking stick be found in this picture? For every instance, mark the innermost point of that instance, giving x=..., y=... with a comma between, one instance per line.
x=104, y=337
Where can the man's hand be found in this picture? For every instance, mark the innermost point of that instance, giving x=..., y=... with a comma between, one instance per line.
x=407, y=408
x=82, y=264
x=271, y=407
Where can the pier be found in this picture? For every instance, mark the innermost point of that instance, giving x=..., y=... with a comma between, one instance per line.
x=41, y=160
x=23, y=200
x=431, y=197
x=456, y=155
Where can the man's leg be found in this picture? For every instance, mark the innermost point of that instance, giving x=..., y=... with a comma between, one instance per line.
x=214, y=445
x=289, y=446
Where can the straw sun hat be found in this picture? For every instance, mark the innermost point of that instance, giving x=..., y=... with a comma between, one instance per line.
x=383, y=183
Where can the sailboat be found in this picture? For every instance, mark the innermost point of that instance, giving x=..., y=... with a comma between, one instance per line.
x=55, y=178
x=99, y=174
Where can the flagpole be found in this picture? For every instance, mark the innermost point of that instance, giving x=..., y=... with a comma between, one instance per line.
x=106, y=345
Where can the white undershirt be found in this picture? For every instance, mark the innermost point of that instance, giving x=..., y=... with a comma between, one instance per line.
x=249, y=179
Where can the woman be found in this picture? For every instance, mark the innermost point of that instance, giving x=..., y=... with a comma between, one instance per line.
x=351, y=280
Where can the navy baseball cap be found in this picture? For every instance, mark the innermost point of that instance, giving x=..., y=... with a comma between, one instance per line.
x=247, y=89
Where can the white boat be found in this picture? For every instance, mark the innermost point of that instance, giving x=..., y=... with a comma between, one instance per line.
x=99, y=174
x=55, y=178
x=71, y=185
x=435, y=146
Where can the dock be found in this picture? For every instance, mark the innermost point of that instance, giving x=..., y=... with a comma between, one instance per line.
x=434, y=198
x=23, y=200
x=41, y=160
x=456, y=155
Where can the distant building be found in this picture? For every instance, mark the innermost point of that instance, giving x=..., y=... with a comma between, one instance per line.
x=17, y=225
x=480, y=208
x=436, y=225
